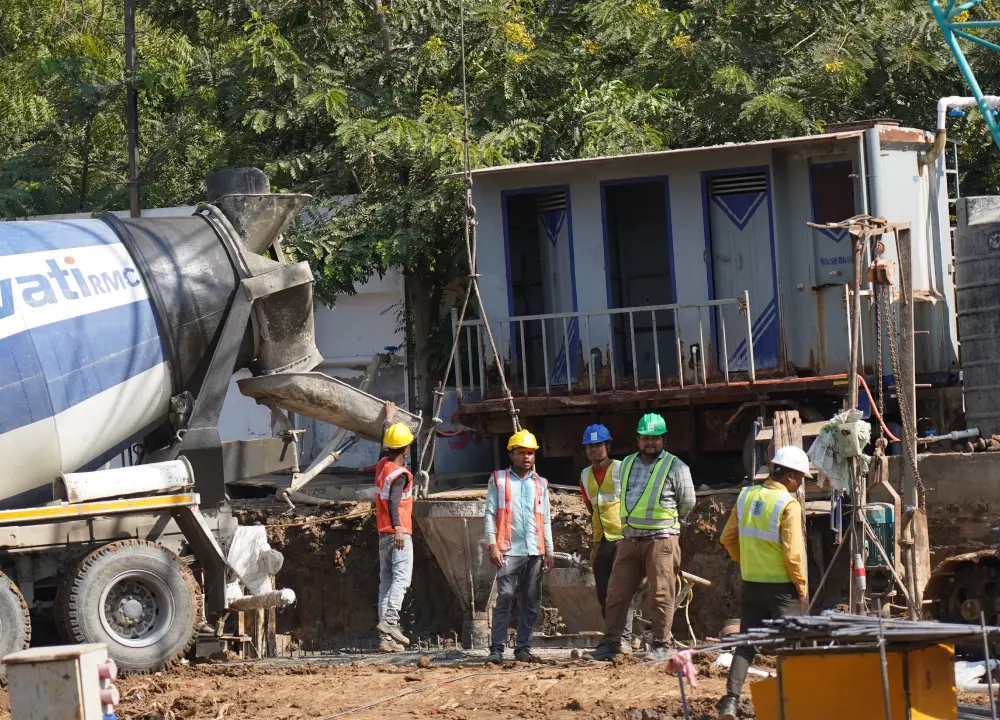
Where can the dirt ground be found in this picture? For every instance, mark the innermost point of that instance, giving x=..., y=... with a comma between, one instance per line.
x=331, y=562
x=577, y=690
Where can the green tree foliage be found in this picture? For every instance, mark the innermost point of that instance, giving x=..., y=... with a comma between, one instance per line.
x=362, y=98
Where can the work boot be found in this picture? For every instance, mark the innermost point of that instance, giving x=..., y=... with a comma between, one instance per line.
x=393, y=631
x=727, y=708
x=604, y=652
x=388, y=645
x=658, y=653
x=626, y=647
x=495, y=657
x=525, y=655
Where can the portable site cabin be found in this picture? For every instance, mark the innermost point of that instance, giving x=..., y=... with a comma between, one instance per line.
x=626, y=281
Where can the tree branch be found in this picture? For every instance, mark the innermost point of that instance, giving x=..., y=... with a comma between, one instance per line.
x=384, y=25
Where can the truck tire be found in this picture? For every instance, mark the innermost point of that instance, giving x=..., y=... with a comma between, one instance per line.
x=15, y=622
x=137, y=597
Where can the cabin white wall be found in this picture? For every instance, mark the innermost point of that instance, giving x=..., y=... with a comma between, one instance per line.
x=687, y=227
x=813, y=320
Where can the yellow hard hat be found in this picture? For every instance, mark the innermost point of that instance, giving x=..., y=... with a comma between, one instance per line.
x=397, y=436
x=522, y=439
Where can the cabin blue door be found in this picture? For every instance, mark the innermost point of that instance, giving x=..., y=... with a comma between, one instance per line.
x=740, y=231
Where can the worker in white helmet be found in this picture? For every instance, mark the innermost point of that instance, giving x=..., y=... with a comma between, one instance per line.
x=764, y=535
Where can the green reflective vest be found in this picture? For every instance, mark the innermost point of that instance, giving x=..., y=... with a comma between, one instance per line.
x=758, y=510
x=648, y=513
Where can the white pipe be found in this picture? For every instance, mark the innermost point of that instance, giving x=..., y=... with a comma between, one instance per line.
x=953, y=101
x=956, y=101
x=167, y=476
x=969, y=434
x=941, y=137
x=275, y=598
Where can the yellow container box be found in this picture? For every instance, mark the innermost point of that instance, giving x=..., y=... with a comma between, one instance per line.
x=838, y=684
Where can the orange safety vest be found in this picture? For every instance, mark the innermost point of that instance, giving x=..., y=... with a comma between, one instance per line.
x=385, y=473
x=505, y=510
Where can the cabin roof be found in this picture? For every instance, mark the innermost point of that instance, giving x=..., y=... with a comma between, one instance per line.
x=887, y=133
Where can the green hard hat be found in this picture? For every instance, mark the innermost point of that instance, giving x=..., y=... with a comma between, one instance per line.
x=652, y=424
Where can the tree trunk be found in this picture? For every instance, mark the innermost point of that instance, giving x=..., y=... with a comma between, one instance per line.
x=423, y=319
x=384, y=25
x=85, y=170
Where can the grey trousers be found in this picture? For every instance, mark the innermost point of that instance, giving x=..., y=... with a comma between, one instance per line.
x=395, y=572
x=522, y=573
x=760, y=601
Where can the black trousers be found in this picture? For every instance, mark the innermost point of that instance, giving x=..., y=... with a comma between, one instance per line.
x=607, y=551
x=761, y=601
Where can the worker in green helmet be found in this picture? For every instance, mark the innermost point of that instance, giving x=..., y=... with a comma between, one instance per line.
x=656, y=494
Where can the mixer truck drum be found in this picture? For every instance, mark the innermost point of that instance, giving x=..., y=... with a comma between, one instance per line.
x=116, y=331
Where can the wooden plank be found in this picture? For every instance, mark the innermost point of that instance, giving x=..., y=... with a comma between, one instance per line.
x=271, y=629
x=808, y=430
x=915, y=524
x=787, y=430
x=259, y=642
x=244, y=646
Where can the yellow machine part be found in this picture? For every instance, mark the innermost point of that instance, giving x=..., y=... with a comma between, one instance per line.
x=837, y=685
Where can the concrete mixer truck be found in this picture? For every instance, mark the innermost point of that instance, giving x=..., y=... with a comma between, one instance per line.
x=124, y=334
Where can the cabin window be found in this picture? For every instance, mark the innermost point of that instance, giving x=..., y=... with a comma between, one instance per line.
x=833, y=192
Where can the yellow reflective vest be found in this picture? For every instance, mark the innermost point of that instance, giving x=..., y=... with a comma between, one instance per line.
x=762, y=558
x=605, y=498
x=648, y=513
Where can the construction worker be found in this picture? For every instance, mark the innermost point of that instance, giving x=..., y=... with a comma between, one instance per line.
x=394, y=518
x=657, y=493
x=601, y=485
x=519, y=540
x=764, y=535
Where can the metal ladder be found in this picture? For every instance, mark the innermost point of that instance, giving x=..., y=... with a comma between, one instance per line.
x=950, y=172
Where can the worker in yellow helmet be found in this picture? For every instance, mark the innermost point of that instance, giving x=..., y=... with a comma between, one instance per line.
x=518, y=536
x=394, y=521
x=764, y=535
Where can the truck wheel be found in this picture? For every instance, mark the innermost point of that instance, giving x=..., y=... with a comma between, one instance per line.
x=15, y=623
x=137, y=597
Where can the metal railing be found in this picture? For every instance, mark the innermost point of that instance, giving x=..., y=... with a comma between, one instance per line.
x=617, y=329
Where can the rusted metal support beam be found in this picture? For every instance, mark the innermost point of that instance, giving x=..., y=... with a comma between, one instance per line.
x=917, y=550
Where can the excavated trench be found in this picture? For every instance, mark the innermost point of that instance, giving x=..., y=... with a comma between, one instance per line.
x=331, y=562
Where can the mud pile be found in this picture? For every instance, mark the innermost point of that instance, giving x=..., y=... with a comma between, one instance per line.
x=331, y=562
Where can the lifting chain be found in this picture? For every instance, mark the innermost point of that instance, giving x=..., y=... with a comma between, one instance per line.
x=908, y=421
x=472, y=289
x=879, y=311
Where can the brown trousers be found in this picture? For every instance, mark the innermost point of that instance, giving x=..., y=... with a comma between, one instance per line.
x=659, y=561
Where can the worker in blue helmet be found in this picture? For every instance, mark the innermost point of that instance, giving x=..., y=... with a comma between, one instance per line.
x=601, y=485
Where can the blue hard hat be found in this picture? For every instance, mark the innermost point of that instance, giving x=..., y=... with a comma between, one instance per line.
x=596, y=434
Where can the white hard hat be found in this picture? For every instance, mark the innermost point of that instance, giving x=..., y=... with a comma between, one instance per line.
x=792, y=458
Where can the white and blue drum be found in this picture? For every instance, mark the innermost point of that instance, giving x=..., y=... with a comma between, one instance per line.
x=82, y=365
